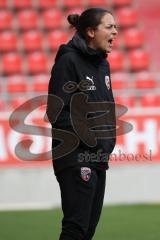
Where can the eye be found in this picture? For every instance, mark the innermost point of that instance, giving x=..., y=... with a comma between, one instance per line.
x=109, y=27
x=112, y=26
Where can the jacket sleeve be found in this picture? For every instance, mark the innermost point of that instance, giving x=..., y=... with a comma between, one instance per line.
x=62, y=72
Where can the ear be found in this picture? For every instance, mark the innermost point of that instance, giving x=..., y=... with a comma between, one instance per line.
x=90, y=32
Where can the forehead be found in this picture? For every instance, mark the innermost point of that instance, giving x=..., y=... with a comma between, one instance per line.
x=108, y=19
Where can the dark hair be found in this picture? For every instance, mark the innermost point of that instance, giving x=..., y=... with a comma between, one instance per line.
x=89, y=18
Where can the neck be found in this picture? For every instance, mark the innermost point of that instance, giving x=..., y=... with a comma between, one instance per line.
x=91, y=45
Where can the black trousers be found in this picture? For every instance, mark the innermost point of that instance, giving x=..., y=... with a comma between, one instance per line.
x=82, y=202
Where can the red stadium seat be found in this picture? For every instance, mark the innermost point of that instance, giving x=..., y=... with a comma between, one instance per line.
x=27, y=19
x=40, y=83
x=118, y=84
x=72, y=3
x=17, y=84
x=3, y=106
x=20, y=99
x=19, y=4
x=1, y=80
x=51, y=59
x=56, y=38
x=32, y=40
x=127, y=101
x=120, y=80
x=150, y=100
x=133, y=38
x=47, y=3
x=117, y=43
x=77, y=10
x=126, y=17
x=5, y=19
x=3, y=4
x=116, y=60
x=138, y=60
x=97, y=3
x=16, y=102
x=12, y=63
x=145, y=80
x=52, y=18
x=37, y=63
x=8, y=41
x=121, y=3
x=118, y=99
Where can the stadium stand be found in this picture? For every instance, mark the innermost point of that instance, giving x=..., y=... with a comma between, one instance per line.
x=55, y=38
x=150, y=100
x=32, y=40
x=127, y=17
x=12, y=63
x=6, y=19
x=72, y=3
x=145, y=80
x=138, y=60
x=37, y=62
x=40, y=84
x=17, y=84
x=32, y=30
x=3, y=4
x=128, y=101
x=0, y=86
x=3, y=105
x=94, y=3
x=120, y=80
x=133, y=38
x=52, y=18
x=46, y=4
x=121, y=3
x=8, y=41
x=19, y=4
x=117, y=43
x=27, y=19
x=116, y=60
x=18, y=101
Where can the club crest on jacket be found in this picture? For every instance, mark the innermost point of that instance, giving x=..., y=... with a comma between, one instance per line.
x=85, y=173
x=107, y=82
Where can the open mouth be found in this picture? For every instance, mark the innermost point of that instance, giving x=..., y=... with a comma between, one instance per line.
x=110, y=41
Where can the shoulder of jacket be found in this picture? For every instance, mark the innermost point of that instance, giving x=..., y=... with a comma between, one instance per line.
x=66, y=61
x=70, y=57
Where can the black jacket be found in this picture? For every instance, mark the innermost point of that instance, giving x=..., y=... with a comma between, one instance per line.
x=79, y=69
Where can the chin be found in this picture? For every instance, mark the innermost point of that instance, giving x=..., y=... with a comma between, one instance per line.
x=108, y=51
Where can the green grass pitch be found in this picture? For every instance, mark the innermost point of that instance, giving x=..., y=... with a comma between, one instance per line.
x=126, y=222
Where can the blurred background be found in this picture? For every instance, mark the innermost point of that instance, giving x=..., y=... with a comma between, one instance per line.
x=30, y=34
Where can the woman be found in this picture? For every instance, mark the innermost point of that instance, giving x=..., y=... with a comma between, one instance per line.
x=80, y=80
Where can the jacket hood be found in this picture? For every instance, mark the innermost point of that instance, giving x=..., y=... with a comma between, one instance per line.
x=78, y=44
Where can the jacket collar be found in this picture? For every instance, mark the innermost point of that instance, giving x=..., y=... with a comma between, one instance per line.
x=80, y=44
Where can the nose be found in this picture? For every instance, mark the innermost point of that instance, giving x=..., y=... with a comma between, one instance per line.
x=115, y=31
